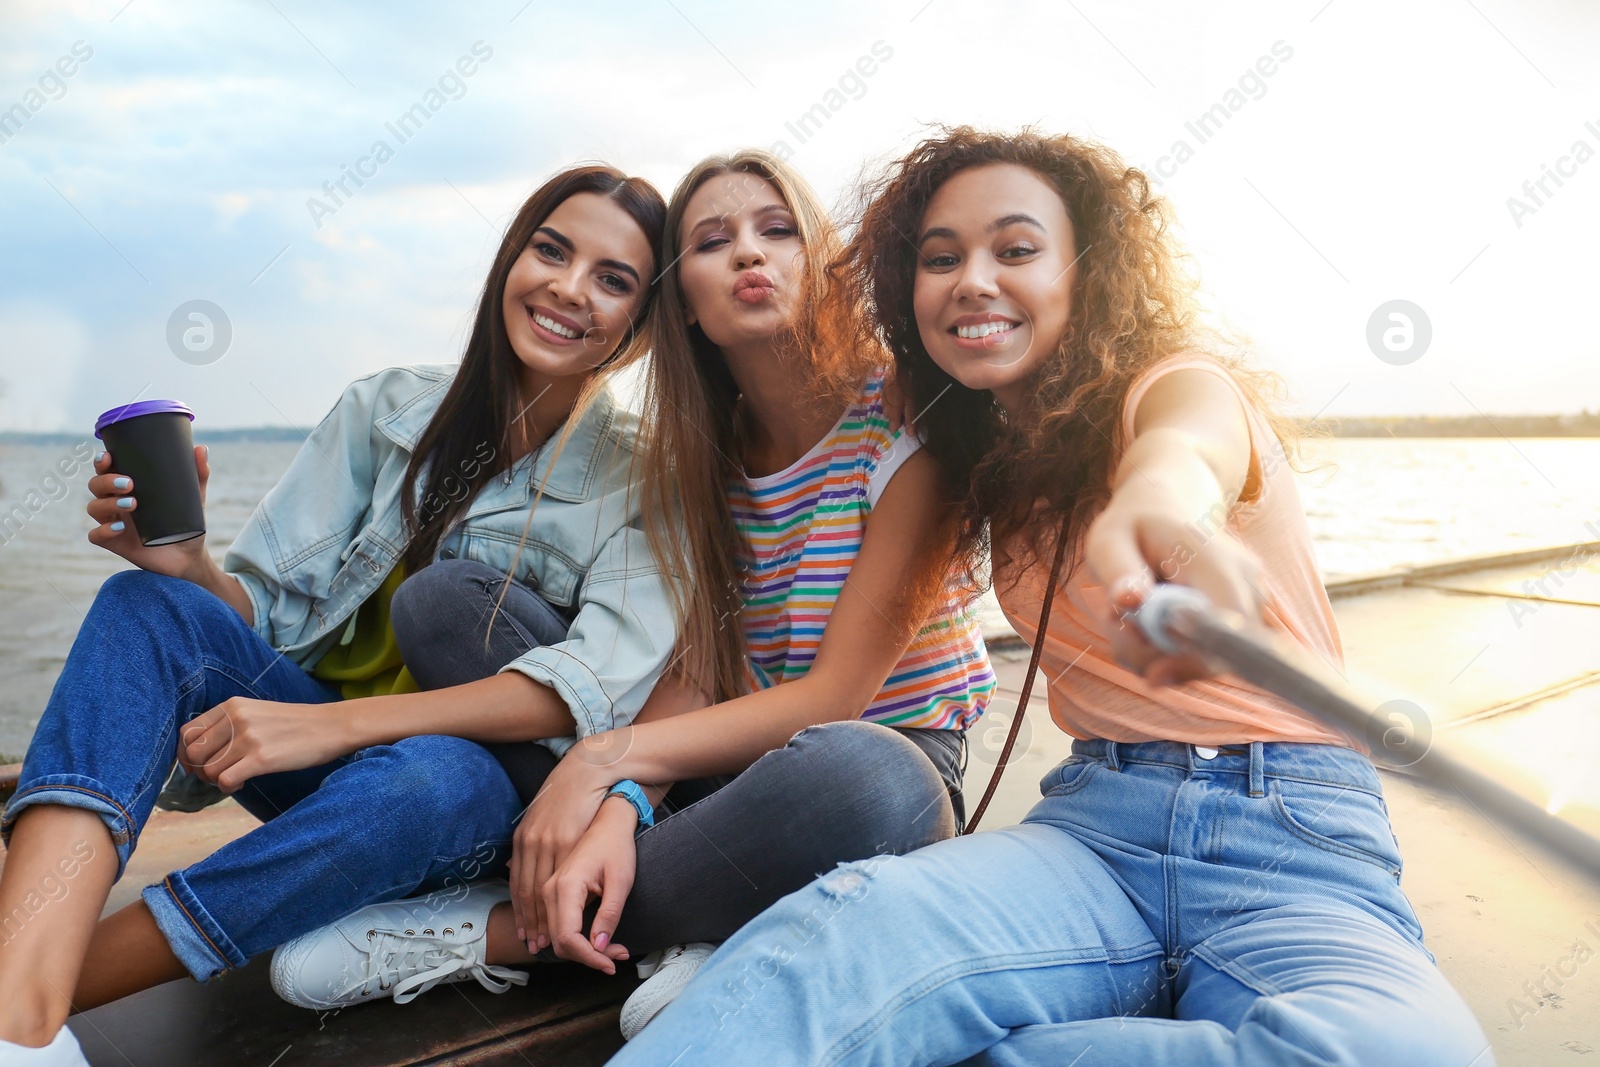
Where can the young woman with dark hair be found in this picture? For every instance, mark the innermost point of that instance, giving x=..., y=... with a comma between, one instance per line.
x=452, y=568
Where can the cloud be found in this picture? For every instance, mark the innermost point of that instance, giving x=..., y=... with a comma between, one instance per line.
x=179, y=162
x=34, y=391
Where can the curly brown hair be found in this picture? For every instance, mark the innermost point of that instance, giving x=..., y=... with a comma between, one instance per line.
x=1132, y=306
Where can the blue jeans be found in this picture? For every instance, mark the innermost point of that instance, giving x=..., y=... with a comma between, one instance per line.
x=378, y=824
x=1156, y=907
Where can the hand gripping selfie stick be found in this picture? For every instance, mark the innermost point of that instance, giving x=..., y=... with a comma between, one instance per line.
x=1180, y=621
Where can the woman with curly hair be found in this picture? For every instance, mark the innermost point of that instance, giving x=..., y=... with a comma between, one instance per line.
x=1211, y=877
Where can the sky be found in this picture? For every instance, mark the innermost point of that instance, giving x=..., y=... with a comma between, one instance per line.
x=1359, y=153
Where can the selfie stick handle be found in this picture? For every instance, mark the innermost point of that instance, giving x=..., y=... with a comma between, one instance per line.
x=1180, y=620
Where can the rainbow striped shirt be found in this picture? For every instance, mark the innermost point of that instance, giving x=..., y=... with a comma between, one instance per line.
x=802, y=529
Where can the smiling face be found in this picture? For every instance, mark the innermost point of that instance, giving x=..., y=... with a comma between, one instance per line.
x=577, y=287
x=741, y=260
x=995, y=274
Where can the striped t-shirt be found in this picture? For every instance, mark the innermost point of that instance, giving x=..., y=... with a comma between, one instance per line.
x=802, y=528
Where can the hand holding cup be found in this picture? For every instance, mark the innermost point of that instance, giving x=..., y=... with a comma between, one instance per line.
x=116, y=499
x=148, y=448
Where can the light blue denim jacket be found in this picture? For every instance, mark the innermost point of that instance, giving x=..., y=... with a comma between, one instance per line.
x=324, y=538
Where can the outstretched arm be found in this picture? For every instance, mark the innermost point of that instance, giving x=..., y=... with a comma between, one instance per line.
x=1185, y=469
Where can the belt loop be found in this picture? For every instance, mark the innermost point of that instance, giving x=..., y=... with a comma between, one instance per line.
x=1111, y=756
x=1258, y=785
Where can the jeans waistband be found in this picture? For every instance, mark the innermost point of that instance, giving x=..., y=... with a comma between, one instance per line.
x=1260, y=760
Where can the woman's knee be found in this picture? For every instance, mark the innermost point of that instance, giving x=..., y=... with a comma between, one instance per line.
x=441, y=599
x=900, y=791
x=139, y=595
x=432, y=781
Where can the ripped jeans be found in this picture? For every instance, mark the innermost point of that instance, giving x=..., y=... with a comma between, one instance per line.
x=1162, y=905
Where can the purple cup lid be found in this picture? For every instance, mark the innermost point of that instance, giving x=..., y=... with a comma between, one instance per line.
x=141, y=407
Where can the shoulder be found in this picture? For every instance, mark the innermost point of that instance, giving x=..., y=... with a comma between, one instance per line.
x=398, y=402
x=614, y=424
x=868, y=421
x=600, y=453
x=1185, y=365
x=1186, y=374
x=399, y=386
x=393, y=390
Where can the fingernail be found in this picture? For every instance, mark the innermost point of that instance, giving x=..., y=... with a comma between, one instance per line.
x=601, y=939
x=531, y=947
x=101, y=458
x=121, y=483
x=522, y=935
x=125, y=502
x=118, y=527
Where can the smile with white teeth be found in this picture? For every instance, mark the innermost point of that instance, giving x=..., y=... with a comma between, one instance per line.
x=984, y=329
x=556, y=328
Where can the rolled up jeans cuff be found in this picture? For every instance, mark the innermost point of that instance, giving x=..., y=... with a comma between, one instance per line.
x=74, y=791
x=194, y=936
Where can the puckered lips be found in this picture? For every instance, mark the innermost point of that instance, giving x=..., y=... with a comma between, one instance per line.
x=549, y=326
x=752, y=287
x=988, y=330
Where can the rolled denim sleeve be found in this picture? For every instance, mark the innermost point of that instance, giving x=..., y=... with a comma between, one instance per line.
x=618, y=645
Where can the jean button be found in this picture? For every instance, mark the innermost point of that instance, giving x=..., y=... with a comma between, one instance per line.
x=1205, y=753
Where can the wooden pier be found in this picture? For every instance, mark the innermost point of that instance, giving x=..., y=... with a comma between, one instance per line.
x=1498, y=654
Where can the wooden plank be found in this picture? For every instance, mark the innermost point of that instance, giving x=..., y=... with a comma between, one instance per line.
x=1358, y=584
x=1455, y=655
x=567, y=1015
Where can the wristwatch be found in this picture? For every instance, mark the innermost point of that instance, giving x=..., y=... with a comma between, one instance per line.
x=629, y=790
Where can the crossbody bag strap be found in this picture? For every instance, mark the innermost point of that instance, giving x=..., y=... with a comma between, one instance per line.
x=1027, y=681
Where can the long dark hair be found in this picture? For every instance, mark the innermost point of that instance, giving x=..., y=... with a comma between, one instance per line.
x=472, y=436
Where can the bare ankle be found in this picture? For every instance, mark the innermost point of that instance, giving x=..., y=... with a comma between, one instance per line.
x=501, y=946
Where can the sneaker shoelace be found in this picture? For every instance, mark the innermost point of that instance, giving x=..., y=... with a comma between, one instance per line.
x=392, y=953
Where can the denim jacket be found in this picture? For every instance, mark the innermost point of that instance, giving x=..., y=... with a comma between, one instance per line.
x=323, y=539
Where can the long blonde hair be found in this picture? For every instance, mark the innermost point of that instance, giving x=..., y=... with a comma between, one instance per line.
x=690, y=437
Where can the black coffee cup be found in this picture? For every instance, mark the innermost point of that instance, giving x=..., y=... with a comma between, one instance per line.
x=152, y=442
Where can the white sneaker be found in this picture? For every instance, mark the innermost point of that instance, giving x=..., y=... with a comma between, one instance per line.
x=64, y=1051
x=664, y=980
x=401, y=949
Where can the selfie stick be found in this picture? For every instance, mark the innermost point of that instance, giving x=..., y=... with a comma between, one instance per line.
x=1180, y=620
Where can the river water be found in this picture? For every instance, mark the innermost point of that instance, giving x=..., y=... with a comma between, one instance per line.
x=1372, y=503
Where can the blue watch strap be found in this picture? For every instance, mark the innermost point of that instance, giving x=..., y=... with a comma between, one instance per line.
x=629, y=790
